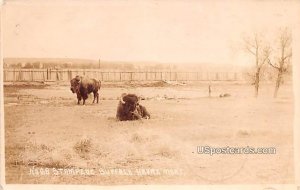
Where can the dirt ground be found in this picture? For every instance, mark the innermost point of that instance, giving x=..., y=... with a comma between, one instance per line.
x=46, y=129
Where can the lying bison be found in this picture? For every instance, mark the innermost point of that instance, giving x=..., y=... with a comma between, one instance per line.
x=130, y=109
x=83, y=86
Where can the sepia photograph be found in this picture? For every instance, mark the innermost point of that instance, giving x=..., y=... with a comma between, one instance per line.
x=149, y=92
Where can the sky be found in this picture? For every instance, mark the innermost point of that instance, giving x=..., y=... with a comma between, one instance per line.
x=170, y=31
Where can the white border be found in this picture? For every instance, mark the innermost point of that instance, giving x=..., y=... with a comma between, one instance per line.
x=296, y=85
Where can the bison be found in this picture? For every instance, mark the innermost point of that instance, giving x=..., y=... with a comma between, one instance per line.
x=130, y=109
x=83, y=86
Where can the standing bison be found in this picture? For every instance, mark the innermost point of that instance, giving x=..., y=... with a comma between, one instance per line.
x=83, y=86
x=130, y=109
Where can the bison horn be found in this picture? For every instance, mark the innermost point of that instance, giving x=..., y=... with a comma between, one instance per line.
x=121, y=99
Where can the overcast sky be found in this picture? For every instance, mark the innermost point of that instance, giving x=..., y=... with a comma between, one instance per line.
x=162, y=31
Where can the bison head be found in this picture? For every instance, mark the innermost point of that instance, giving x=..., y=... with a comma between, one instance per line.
x=129, y=103
x=75, y=84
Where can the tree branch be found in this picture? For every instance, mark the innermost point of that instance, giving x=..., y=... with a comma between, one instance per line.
x=288, y=56
x=249, y=50
x=276, y=67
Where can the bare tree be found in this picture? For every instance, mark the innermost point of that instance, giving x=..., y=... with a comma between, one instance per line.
x=261, y=52
x=282, y=62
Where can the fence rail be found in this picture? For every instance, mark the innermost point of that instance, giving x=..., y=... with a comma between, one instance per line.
x=35, y=75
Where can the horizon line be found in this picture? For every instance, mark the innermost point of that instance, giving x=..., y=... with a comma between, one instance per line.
x=133, y=61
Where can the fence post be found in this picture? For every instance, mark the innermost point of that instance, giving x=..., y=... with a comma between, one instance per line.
x=19, y=76
x=4, y=75
x=56, y=74
x=61, y=74
x=14, y=74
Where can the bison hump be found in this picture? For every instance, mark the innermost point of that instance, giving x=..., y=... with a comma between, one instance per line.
x=130, y=98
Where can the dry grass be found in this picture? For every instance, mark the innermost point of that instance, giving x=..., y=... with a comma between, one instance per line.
x=61, y=134
x=83, y=147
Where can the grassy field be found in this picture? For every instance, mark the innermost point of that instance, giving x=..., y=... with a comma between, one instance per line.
x=46, y=129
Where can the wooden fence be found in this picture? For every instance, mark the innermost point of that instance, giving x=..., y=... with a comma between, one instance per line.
x=35, y=75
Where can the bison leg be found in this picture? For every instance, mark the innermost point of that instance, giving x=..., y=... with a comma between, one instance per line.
x=84, y=98
x=143, y=112
x=136, y=115
x=146, y=113
x=78, y=98
x=96, y=95
x=84, y=94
